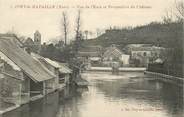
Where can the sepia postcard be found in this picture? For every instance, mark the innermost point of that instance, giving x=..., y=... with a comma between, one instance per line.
x=91, y=58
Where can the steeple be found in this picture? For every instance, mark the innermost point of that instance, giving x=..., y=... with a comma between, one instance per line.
x=37, y=37
x=37, y=41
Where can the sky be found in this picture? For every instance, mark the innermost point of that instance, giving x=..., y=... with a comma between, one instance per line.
x=95, y=14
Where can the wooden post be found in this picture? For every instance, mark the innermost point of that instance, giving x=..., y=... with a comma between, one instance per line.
x=20, y=92
x=44, y=91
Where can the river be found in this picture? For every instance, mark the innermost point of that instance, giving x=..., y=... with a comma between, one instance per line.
x=129, y=94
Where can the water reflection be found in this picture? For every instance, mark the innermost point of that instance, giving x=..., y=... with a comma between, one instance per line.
x=127, y=94
x=70, y=100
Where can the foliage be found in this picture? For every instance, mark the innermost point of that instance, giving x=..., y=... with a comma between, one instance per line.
x=62, y=54
x=154, y=33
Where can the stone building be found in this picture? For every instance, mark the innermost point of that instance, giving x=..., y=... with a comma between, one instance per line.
x=37, y=41
x=33, y=45
x=144, y=53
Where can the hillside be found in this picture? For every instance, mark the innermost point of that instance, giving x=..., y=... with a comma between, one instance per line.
x=154, y=33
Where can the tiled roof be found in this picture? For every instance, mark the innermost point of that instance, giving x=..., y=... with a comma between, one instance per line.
x=32, y=68
x=62, y=68
x=13, y=38
x=153, y=48
x=92, y=51
x=112, y=51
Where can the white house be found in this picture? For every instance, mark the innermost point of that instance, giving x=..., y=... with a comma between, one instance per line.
x=144, y=53
x=113, y=54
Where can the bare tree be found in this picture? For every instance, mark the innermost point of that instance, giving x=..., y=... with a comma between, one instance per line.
x=78, y=25
x=180, y=9
x=86, y=32
x=168, y=17
x=65, y=26
x=78, y=31
x=175, y=13
x=98, y=32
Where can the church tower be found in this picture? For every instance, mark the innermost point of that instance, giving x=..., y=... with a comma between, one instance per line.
x=37, y=41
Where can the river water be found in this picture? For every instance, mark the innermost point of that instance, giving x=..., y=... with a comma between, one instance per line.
x=129, y=94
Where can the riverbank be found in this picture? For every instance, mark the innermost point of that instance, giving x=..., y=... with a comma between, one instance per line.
x=166, y=78
x=32, y=99
x=120, y=94
x=121, y=69
x=8, y=109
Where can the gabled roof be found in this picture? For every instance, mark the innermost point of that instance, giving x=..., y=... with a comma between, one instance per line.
x=32, y=68
x=143, y=47
x=28, y=41
x=90, y=51
x=152, y=48
x=13, y=38
x=138, y=45
x=112, y=51
x=8, y=61
x=88, y=54
x=62, y=68
x=158, y=60
x=45, y=60
x=53, y=63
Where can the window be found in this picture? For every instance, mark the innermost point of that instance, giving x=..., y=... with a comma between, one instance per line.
x=144, y=53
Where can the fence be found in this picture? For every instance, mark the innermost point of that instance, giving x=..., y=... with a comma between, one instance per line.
x=164, y=69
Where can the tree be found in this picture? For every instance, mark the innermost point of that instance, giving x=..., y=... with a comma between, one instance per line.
x=78, y=31
x=180, y=9
x=86, y=32
x=175, y=13
x=168, y=17
x=65, y=26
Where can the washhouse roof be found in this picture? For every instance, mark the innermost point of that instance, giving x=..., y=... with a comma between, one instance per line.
x=32, y=68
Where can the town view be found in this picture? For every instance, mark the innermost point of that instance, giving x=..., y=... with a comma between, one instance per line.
x=123, y=71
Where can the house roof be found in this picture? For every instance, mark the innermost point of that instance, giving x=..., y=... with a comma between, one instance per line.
x=142, y=47
x=28, y=41
x=158, y=60
x=13, y=38
x=89, y=54
x=8, y=61
x=92, y=51
x=62, y=68
x=152, y=48
x=45, y=61
x=94, y=58
x=53, y=63
x=113, y=50
x=34, y=69
x=138, y=45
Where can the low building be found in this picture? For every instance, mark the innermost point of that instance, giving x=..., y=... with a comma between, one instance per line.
x=61, y=71
x=28, y=45
x=90, y=55
x=64, y=73
x=90, y=51
x=52, y=68
x=113, y=54
x=23, y=78
x=142, y=54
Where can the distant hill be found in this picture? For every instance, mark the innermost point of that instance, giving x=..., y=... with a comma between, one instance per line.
x=154, y=33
